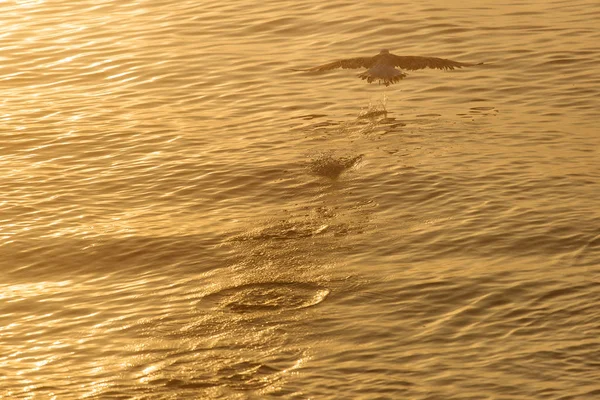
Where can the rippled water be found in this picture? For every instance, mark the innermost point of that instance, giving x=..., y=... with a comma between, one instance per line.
x=183, y=215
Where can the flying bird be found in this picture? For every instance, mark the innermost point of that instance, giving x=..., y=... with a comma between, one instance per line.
x=381, y=67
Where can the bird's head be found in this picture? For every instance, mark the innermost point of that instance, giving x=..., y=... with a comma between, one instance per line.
x=384, y=51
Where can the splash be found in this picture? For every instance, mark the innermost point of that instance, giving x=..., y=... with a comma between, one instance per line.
x=331, y=166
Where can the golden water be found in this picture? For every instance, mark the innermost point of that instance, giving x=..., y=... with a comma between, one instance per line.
x=184, y=216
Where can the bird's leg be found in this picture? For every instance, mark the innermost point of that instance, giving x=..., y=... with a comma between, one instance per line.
x=383, y=102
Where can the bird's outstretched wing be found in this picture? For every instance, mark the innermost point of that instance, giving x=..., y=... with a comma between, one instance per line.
x=416, y=62
x=358, y=62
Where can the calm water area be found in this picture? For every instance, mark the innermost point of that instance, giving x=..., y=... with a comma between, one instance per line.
x=186, y=215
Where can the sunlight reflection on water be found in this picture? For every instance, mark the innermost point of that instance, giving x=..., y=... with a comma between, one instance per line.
x=185, y=214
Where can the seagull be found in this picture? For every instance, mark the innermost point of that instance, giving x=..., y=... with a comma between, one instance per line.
x=381, y=67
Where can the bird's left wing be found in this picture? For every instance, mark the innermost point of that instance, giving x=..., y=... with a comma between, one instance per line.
x=358, y=62
x=416, y=62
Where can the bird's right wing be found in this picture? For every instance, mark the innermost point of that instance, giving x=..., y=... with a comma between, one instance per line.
x=416, y=62
x=358, y=62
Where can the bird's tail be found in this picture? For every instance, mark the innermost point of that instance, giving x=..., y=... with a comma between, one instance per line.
x=387, y=79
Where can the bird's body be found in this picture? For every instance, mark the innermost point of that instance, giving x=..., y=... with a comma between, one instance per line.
x=382, y=67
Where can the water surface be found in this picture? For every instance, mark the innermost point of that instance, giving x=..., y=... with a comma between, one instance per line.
x=184, y=216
